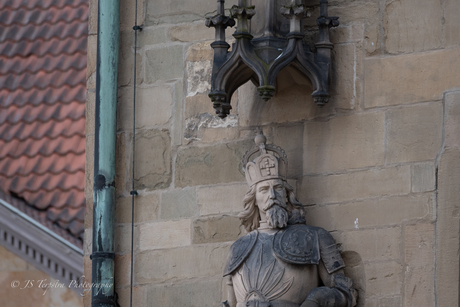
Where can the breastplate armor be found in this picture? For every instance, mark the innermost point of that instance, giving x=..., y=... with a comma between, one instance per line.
x=279, y=269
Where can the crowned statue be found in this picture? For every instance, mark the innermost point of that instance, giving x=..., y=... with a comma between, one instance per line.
x=281, y=262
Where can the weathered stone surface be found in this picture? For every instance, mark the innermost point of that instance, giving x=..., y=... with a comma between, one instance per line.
x=210, y=164
x=370, y=213
x=423, y=177
x=179, y=204
x=164, y=234
x=372, y=38
x=63, y=297
x=124, y=296
x=447, y=229
x=88, y=241
x=89, y=167
x=191, y=32
x=355, y=185
x=127, y=14
x=176, y=11
x=123, y=165
x=203, y=126
x=122, y=234
x=153, y=107
x=343, y=88
x=200, y=52
x=87, y=270
x=383, y=278
x=174, y=264
x=216, y=229
x=90, y=111
x=178, y=111
x=410, y=78
x=122, y=270
x=198, y=77
x=165, y=63
x=288, y=138
x=392, y=301
x=92, y=17
x=91, y=55
x=452, y=128
x=210, y=135
x=403, y=24
x=352, y=11
x=153, y=159
x=89, y=213
x=21, y=296
x=10, y=262
x=373, y=244
x=451, y=26
x=414, y=133
x=292, y=102
x=152, y=35
x=146, y=207
x=335, y=144
x=201, y=292
x=198, y=104
x=347, y=34
x=420, y=263
x=216, y=200
x=126, y=61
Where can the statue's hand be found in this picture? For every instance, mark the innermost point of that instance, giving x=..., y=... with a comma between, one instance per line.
x=225, y=304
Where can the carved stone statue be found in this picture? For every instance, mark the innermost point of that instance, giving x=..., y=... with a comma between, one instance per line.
x=281, y=262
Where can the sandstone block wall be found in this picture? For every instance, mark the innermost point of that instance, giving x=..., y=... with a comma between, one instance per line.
x=379, y=166
x=29, y=286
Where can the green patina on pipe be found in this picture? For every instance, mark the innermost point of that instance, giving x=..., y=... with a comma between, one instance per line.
x=103, y=291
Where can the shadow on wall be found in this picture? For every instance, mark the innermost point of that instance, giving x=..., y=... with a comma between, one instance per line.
x=354, y=269
x=292, y=101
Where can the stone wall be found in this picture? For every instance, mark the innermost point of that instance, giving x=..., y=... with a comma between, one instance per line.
x=21, y=284
x=379, y=166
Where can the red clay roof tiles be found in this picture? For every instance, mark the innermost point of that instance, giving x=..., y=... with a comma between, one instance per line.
x=42, y=111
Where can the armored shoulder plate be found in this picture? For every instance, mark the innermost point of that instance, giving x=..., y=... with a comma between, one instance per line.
x=239, y=251
x=329, y=252
x=297, y=244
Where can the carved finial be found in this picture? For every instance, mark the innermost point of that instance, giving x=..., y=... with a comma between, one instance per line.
x=260, y=141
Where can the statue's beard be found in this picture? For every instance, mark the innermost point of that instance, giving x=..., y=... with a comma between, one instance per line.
x=277, y=216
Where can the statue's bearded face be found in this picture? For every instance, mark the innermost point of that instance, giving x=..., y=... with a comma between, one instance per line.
x=271, y=200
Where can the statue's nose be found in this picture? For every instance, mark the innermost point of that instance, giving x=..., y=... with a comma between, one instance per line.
x=272, y=193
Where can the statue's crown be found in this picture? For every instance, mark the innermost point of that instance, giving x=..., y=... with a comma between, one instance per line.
x=270, y=164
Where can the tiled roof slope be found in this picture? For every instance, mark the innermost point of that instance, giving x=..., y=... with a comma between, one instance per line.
x=42, y=111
